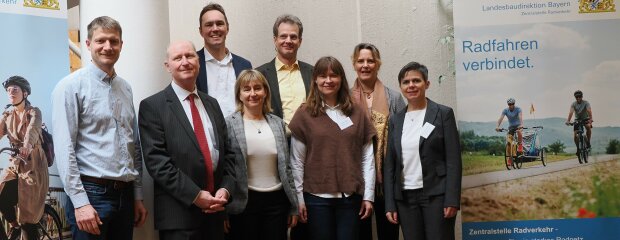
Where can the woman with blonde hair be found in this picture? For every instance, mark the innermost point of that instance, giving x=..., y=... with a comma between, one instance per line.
x=264, y=201
x=381, y=103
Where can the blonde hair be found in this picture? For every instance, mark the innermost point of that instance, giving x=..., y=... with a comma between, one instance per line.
x=247, y=76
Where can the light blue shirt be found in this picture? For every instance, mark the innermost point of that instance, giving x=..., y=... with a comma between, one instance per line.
x=95, y=131
x=513, y=116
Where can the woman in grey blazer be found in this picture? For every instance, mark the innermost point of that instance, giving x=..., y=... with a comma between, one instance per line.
x=422, y=171
x=263, y=201
x=381, y=103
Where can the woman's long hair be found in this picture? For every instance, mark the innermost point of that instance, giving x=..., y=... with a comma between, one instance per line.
x=315, y=99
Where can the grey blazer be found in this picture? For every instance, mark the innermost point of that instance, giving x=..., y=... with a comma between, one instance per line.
x=238, y=145
x=395, y=101
x=440, y=155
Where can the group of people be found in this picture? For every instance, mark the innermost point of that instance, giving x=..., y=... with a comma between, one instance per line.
x=243, y=153
x=580, y=108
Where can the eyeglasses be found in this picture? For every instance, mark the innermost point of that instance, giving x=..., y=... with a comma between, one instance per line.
x=578, y=96
x=511, y=104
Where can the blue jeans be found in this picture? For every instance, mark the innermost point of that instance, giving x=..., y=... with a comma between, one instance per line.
x=115, y=208
x=333, y=218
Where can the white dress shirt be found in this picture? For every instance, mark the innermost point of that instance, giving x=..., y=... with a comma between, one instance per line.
x=221, y=81
x=206, y=121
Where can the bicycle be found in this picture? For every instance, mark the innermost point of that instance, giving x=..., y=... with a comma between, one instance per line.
x=49, y=226
x=510, y=153
x=582, y=146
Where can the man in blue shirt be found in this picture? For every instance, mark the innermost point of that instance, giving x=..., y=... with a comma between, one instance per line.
x=515, y=122
x=97, y=143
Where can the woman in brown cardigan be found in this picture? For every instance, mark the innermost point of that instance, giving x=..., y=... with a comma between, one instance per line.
x=331, y=156
x=24, y=183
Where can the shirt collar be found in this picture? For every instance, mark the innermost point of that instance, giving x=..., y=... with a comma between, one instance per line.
x=181, y=93
x=100, y=74
x=209, y=57
x=281, y=66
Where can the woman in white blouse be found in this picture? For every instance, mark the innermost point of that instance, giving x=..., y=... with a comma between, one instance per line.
x=422, y=170
x=263, y=201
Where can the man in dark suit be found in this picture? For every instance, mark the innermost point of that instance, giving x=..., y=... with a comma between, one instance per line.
x=289, y=79
x=184, y=136
x=219, y=67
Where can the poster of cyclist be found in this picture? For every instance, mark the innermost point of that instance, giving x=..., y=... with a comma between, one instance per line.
x=537, y=93
x=34, y=46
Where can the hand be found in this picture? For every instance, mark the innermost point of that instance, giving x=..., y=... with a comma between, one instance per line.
x=87, y=219
x=223, y=195
x=497, y=129
x=303, y=213
x=25, y=151
x=366, y=209
x=567, y=123
x=139, y=213
x=208, y=203
x=449, y=212
x=392, y=217
x=292, y=221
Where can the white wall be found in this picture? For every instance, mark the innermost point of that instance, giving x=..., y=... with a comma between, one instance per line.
x=403, y=30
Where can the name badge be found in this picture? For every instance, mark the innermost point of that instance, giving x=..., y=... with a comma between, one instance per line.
x=344, y=123
x=427, y=129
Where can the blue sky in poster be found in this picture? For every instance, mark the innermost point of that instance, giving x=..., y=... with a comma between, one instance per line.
x=37, y=49
x=569, y=56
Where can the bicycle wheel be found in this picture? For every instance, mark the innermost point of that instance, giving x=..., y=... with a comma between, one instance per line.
x=507, y=156
x=586, y=149
x=518, y=161
x=50, y=227
x=542, y=156
x=581, y=148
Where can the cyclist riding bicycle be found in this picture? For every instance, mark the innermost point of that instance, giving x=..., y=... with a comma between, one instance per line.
x=24, y=182
x=515, y=122
x=583, y=112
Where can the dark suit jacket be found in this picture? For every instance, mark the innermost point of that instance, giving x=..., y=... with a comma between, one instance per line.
x=239, y=64
x=269, y=70
x=174, y=161
x=440, y=154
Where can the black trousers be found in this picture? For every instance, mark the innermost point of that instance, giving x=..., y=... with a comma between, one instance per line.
x=421, y=217
x=385, y=229
x=212, y=228
x=265, y=217
x=299, y=232
x=8, y=201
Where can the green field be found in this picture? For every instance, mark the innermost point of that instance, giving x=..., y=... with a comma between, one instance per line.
x=475, y=163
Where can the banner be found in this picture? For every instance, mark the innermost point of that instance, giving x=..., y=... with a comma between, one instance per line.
x=34, y=45
x=538, y=182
